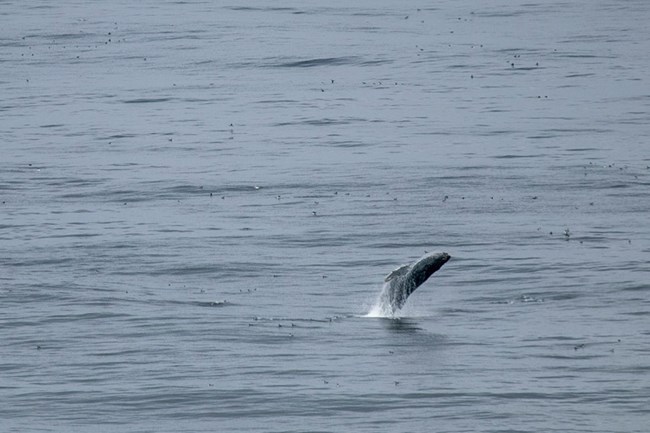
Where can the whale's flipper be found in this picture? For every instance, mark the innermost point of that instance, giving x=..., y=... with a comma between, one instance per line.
x=402, y=270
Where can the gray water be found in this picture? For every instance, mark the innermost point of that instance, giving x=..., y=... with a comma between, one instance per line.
x=200, y=201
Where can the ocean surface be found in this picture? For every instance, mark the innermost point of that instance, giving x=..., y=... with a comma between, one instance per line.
x=200, y=201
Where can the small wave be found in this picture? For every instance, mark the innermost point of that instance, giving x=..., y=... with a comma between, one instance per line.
x=310, y=63
x=260, y=9
x=212, y=303
x=146, y=100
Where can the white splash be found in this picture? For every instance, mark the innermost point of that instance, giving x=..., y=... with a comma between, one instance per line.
x=381, y=307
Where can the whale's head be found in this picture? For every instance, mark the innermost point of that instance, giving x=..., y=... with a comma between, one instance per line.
x=433, y=262
x=427, y=265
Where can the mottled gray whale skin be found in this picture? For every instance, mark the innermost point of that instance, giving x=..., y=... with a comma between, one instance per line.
x=404, y=280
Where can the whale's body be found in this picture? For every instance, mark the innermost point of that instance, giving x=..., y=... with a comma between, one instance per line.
x=404, y=280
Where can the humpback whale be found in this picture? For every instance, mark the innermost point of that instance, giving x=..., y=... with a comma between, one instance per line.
x=404, y=280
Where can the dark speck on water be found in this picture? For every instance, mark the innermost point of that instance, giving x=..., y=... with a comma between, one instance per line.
x=360, y=143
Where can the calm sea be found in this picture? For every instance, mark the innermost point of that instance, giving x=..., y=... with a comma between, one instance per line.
x=200, y=201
